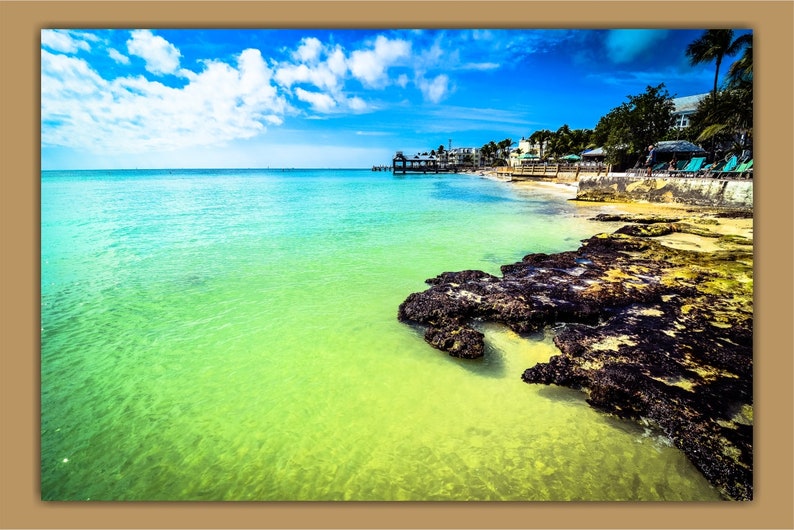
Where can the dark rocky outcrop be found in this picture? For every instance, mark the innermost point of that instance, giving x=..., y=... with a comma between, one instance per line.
x=644, y=330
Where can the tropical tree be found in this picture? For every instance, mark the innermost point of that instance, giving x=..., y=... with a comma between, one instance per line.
x=486, y=154
x=713, y=45
x=442, y=154
x=540, y=138
x=725, y=119
x=740, y=73
x=627, y=130
x=559, y=141
x=493, y=150
x=504, y=148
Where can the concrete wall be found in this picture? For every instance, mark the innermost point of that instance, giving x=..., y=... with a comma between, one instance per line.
x=695, y=191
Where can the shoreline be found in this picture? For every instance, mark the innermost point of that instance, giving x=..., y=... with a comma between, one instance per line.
x=654, y=322
x=738, y=226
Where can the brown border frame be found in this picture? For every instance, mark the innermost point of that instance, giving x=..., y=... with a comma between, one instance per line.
x=20, y=23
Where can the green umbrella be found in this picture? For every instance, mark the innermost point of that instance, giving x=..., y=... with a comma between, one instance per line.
x=572, y=157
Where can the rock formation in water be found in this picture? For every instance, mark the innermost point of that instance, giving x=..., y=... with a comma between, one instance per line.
x=646, y=331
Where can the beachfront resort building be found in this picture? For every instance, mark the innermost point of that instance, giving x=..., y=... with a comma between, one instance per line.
x=685, y=107
x=464, y=156
x=525, y=153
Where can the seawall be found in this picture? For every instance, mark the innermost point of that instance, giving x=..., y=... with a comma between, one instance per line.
x=694, y=191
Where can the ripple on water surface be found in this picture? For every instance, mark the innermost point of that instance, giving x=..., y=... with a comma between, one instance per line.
x=233, y=336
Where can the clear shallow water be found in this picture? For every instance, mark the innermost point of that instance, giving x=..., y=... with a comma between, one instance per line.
x=232, y=335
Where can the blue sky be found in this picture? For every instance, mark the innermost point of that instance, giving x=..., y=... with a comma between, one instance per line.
x=334, y=98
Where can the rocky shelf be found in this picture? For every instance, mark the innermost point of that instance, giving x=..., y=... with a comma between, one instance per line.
x=645, y=330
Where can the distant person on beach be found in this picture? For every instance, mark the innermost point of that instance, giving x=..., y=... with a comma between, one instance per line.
x=673, y=163
x=651, y=160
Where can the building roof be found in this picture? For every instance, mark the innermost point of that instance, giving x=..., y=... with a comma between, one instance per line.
x=688, y=103
x=678, y=146
x=598, y=151
x=418, y=157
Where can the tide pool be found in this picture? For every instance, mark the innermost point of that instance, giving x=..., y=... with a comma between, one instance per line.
x=232, y=335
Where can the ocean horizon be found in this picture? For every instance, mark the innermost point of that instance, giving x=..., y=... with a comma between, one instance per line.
x=232, y=334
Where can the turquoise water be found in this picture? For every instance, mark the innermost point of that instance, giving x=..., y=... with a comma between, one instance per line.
x=232, y=335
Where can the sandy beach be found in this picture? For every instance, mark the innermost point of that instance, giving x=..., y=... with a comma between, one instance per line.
x=693, y=214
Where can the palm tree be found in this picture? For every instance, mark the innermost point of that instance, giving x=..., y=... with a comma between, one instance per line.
x=740, y=73
x=713, y=45
x=442, y=155
x=504, y=148
x=493, y=149
x=540, y=138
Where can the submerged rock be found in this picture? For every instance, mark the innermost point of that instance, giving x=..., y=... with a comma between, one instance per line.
x=645, y=331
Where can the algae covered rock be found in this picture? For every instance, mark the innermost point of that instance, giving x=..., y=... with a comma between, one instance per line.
x=645, y=330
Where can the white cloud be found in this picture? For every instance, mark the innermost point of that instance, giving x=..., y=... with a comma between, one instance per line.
x=309, y=50
x=370, y=66
x=337, y=64
x=357, y=104
x=326, y=75
x=118, y=56
x=435, y=90
x=480, y=66
x=62, y=41
x=161, y=56
x=80, y=109
x=321, y=76
x=319, y=101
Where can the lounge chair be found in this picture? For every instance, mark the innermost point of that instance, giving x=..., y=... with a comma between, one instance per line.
x=747, y=173
x=717, y=166
x=727, y=166
x=679, y=165
x=728, y=169
x=658, y=167
x=691, y=169
x=741, y=170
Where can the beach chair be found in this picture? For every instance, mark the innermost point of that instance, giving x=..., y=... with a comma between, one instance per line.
x=658, y=167
x=748, y=170
x=695, y=167
x=741, y=170
x=679, y=165
x=727, y=169
x=691, y=169
x=716, y=166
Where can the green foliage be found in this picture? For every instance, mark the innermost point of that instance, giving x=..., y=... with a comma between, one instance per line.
x=561, y=142
x=627, y=130
x=714, y=45
x=740, y=74
x=725, y=121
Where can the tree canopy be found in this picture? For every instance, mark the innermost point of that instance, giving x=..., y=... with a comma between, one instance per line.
x=628, y=129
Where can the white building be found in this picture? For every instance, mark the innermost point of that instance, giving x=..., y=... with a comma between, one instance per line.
x=458, y=156
x=684, y=108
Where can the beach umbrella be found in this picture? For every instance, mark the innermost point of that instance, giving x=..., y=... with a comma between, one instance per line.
x=572, y=157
